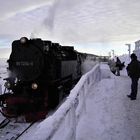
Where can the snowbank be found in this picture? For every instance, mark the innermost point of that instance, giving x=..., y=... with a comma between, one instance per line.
x=105, y=70
x=111, y=115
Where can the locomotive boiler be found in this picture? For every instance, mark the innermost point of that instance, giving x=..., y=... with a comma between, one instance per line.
x=41, y=74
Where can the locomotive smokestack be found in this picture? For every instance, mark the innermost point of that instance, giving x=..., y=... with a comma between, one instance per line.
x=23, y=40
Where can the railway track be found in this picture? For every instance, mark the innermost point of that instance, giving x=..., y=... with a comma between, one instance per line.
x=11, y=130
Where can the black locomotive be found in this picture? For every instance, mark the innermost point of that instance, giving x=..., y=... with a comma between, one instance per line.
x=41, y=73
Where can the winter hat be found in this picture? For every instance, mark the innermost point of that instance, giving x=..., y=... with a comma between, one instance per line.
x=133, y=56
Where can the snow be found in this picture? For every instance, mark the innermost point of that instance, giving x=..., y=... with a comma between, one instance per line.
x=110, y=114
x=87, y=65
x=107, y=115
x=3, y=73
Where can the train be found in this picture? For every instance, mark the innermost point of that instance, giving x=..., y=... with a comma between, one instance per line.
x=41, y=74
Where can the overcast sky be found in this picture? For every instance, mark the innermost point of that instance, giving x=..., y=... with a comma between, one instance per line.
x=95, y=26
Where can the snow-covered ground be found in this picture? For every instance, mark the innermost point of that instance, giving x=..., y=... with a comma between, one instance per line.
x=110, y=114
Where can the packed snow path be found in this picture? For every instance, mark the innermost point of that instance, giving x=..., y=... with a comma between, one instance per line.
x=110, y=115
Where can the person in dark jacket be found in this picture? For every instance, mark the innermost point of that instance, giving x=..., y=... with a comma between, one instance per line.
x=112, y=66
x=118, y=65
x=133, y=70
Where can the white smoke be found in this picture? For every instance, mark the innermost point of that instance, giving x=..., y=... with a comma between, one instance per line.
x=91, y=21
x=49, y=29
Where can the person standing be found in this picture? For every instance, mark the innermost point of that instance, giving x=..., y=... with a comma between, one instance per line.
x=112, y=66
x=118, y=65
x=133, y=70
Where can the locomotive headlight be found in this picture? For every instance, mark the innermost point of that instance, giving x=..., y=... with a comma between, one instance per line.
x=7, y=84
x=34, y=86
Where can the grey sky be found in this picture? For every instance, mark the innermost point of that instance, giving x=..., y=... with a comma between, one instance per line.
x=71, y=22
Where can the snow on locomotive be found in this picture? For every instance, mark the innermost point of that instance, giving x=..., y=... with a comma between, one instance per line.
x=41, y=73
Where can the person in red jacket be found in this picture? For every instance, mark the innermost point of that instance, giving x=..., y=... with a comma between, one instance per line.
x=133, y=70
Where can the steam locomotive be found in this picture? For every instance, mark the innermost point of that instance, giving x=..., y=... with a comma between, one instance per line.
x=41, y=74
